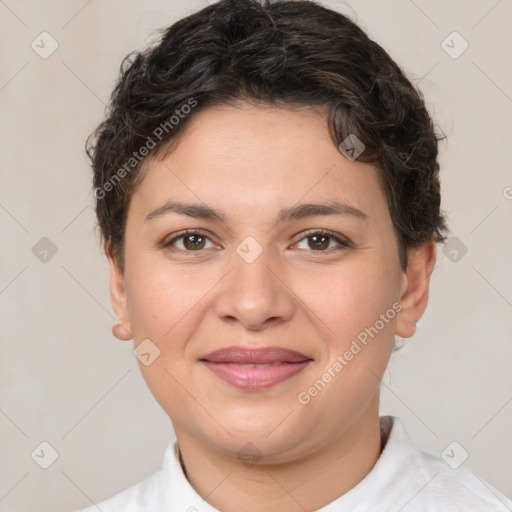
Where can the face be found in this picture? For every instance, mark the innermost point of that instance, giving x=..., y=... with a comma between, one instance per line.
x=259, y=268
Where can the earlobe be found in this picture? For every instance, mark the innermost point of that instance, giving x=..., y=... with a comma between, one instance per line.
x=122, y=327
x=415, y=287
x=120, y=332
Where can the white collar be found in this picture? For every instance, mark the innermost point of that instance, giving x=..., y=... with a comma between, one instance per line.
x=395, y=470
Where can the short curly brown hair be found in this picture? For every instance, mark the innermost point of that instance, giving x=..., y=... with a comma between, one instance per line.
x=282, y=53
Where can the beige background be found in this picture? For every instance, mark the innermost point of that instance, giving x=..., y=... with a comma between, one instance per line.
x=67, y=381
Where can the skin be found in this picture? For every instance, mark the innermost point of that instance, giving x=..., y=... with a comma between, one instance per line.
x=190, y=301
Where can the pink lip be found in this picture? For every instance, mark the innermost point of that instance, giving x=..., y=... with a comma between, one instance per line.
x=242, y=367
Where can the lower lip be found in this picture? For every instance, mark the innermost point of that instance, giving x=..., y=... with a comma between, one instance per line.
x=255, y=377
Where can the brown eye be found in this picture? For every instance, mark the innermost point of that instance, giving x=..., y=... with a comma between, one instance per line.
x=192, y=242
x=189, y=242
x=321, y=241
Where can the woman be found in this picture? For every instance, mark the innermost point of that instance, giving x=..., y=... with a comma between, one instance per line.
x=267, y=188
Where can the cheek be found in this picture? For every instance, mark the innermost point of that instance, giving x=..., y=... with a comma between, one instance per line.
x=353, y=310
x=349, y=300
x=161, y=300
x=164, y=307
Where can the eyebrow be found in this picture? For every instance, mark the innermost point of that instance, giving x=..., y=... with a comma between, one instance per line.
x=297, y=212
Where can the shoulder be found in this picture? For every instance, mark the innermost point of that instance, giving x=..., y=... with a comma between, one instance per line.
x=146, y=495
x=166, y=490
x=406, y=479
x=455, y=489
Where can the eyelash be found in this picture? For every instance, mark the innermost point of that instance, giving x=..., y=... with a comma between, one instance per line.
x=183, y=234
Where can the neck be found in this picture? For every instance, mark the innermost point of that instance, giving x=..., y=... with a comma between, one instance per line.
x=307, y=483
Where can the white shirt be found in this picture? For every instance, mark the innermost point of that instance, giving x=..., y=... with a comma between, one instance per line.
x=402, y=480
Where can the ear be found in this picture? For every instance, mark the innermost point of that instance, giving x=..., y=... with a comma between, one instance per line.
x=122, y=329
x=415, y=285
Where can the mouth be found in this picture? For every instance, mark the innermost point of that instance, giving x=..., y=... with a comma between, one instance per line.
x=255, y=368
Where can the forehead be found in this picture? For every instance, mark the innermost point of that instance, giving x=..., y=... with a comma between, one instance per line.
x=250, y=157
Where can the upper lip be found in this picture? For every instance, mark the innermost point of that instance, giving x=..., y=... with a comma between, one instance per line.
x=246, y=355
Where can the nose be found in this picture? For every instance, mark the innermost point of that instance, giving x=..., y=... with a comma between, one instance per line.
x=255, y=294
